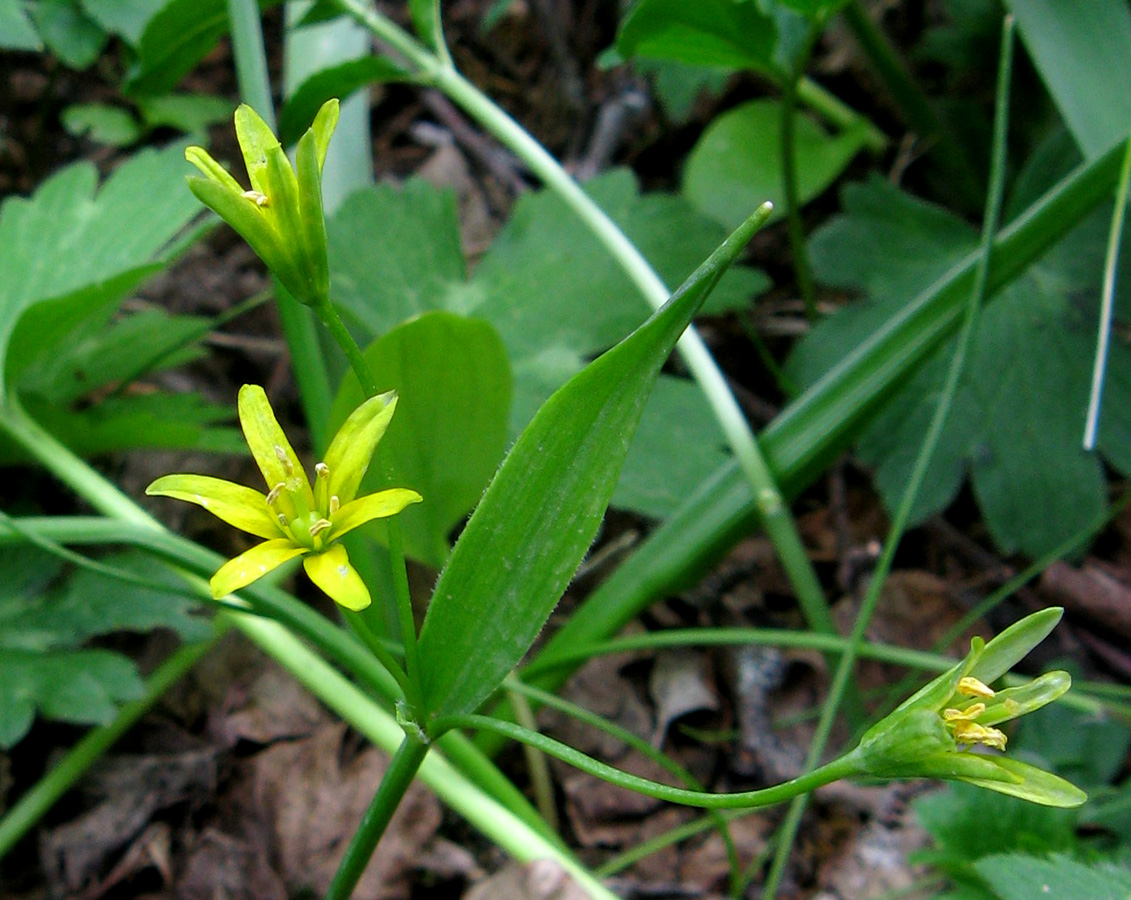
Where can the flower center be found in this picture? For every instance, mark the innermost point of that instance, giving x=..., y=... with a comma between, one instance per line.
x=310, y=528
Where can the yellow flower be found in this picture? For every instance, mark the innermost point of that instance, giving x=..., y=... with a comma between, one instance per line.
x=295, y=518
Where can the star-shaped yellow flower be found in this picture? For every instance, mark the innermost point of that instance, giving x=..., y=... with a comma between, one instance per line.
x=295, y=518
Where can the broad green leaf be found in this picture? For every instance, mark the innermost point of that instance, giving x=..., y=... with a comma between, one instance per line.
x=83, y=687
x=729, y=34
x=45, y=621
x=190, y=113
x=126, y=18
x=1078, y=48
x=737, y=163
x=450, y=428
x=534, y=524
x=16, y=30
x=413, y=263
x=68, y=32
x=1015, y=426
x=68, y=237
x=592, y=302
x=340, y=81
x=395, y=253
x=1024, y=877
x=103, y=124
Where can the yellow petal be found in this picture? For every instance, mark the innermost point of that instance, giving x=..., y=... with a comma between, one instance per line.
x=253, y=564
x=272, y=451
x=256, y=140
x=237, y=505
x=352, y=447
x=372, y=506
x=332, y=572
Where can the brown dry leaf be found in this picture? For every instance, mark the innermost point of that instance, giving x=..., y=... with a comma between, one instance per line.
x=312, y=805
x=132, y=789
x=219, y=865
x=542, y=879
x=680, y=683
x=1091, y=591
x=704, y=865
x=277, y=707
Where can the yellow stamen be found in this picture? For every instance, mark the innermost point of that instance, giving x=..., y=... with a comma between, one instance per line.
x=973, y=733
x=972, y=687
x=964, y=715
x=320, y=525
x=259, y=199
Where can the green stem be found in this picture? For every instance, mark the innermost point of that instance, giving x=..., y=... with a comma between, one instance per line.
x=922, y=460
x=845, y=767
x=777, y=519
x=333, y=322
x=396, y=781
x=796, y=230
x=478, y=805
x=407, y=620
x=32, y=806
x=834, y=111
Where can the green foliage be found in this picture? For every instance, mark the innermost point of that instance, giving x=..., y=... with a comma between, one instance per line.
x=553, y=295
x=16, y=30
x=730, y=34
x=341, y=81
x=536, y=521
x=1016, y=424
x=46, y=618
x=451, y=428
x=975, y=831
x=1076, y=47
x=737, y=163
x=1014, y=877
x=69, y=32
x=60, y=339
x=100, y=242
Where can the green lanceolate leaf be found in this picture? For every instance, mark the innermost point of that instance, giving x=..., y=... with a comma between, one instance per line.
x=529, y=533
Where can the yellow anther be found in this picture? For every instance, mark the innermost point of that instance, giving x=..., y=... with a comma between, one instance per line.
x=335, y=503
x=964, y=715
x=320, y=525
x=275, y=492
x=322, y=469
x=256, y=197
x=281, y=455
x=973, y=733
x=972, y=687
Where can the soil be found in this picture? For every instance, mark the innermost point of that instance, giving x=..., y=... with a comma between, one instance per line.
x=239, y=785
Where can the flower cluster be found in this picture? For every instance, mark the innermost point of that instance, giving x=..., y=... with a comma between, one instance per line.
x=281, y=217
x=295, y=518
x=930, y=734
